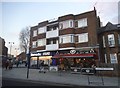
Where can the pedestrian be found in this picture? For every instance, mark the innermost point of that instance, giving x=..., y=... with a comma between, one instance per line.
x=6, y=64
x=10, y=64
x=94, y=68
x=17, y=63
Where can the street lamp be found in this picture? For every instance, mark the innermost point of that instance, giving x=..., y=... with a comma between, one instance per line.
x=98, y=46
x=11, y=43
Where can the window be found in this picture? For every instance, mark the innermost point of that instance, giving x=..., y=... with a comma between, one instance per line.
x=34, y=33
x=113, y=58
x=34, y=44
x=66, y=24
x=41, y=42
x=67, y=39
x=111, y=40
x=105, y=58
x=41, y=30
x=51, y=41
x=104, y=41
x=82, y=23
x=83, y=37
x=119, y=38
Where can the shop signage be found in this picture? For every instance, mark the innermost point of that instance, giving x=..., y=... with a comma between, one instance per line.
x=42, y=54
x=35, y=54
x=46, y=53
x=72, y=51
x=105, y=69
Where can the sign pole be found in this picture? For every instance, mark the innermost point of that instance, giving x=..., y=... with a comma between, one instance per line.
x=28, y=62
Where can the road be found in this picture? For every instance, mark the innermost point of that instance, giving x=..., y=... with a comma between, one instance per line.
x=16, y=83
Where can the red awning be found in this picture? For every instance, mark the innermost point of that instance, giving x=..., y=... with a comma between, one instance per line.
x=77, y=55
x=74, y=56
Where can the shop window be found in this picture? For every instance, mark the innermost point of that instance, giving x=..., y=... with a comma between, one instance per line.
x=113, y=58
x=83, y=37
x=111, y=40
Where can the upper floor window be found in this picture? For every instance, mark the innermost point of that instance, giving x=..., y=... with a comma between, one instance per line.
x=34, y=44
x=41, y=30
x=119, y=38
x=111, y=40
x=113, y=58
x=83, y=37
x=66, y=24
x=105, y=58
x=41, y=42
x=82, y=23
x=34, y=33
x=52, y=41
x=67, y=39
x=104, y=41
x=52, y=28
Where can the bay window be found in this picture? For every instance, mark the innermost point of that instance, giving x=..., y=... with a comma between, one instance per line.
x=67, y=39
x=83, y=37
x=41, y=42
x=82, y=23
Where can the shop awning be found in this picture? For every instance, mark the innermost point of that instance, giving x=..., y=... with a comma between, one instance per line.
x=78, y=55
x=56, y=56
x=73, y=56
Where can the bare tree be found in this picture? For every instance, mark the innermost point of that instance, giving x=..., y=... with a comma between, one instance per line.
x=24, y=38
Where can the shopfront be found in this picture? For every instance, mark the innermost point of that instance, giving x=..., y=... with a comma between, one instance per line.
x=38, y=57
x=75, y=58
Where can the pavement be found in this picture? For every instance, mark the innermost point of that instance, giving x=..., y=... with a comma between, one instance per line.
x=63, y=77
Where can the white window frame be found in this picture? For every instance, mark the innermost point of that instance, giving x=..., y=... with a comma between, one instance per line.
x=66, y=24
x=113, y=58
x=42, y=30
x=119, y=39
x=34, y=44
x=104, y=41
x=41, y=42
x=83, y=38
x=66, y=39
x=111, y=40
x=34, y=33
x=82, y=23
x=105, y=58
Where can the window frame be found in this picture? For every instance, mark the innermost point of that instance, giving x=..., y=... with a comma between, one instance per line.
x=115, y=60
x=111, y=41
x=84, y=35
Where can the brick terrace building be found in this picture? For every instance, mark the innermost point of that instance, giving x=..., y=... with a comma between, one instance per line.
x=71, y=38
x=109, y=40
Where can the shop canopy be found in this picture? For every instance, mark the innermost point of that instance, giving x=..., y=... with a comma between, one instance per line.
x=73, y=56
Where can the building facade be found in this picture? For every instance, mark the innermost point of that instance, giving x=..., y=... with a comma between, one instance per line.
x=71, y=39
x=109, y=40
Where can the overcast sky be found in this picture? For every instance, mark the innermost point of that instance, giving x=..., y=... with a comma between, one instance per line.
x=17, y=15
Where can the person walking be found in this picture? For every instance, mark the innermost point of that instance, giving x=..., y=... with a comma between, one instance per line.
x=10, y=64
x=6, y=64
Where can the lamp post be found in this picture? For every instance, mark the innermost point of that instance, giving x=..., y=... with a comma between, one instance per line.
x=11, y=43
x=98, y=46
x=28, y=60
